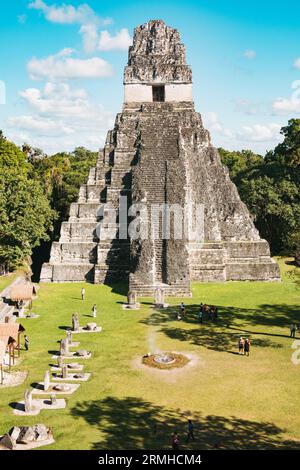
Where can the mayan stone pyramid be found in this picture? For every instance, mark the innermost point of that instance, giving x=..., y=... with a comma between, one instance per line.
x=159, y=153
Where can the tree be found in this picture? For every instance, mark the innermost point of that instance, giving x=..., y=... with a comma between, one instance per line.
x=25, y=213
x=288, y=151
x=270, y=187
x=63, y=174
x=239, y=161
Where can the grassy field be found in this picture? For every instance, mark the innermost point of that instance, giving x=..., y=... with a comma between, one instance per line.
x=5, y=281
x=235, y=402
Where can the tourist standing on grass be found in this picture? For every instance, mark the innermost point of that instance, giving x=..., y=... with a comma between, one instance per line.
x=241, y=345
x=200, y=316
x=175, y=441
x=26, y=342
x=190, y=431
x=216, y=313
x=182, y=309
x=293, y=330
x=94, y=311
x=83, y=293
x=247, y=347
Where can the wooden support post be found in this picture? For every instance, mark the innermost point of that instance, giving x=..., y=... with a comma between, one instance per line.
x=19, y=344
x=9, y=357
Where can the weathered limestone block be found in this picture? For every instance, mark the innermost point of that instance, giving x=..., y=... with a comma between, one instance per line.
x=47, y=273
x=78, y=231
x=28, y=401
x=75, y=322
x=73, y=272
x=260, y=271
x=7, y=442
x=47, y=381
x=84, y=211
x=73, y=252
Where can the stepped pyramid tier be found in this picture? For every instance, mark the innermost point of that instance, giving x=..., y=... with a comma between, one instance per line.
x=158, y=155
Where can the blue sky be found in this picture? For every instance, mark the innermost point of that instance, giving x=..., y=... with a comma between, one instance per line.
x=62, y=65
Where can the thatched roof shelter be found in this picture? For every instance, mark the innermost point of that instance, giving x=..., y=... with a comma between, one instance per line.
x=11, y=330
x=22, y=292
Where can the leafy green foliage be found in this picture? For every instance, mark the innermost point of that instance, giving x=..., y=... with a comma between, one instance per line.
x=25, y=214
x=63, y=174
x=239, y=161
x=288, y=152
x=270, y=188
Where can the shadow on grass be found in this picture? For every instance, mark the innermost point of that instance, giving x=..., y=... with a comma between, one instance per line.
x=118, y=288
x=53, y=352
x=215, y=335
x=132, y=423
x=265, y=315
x=212, y=339
x=37, y=386
x=65, y=327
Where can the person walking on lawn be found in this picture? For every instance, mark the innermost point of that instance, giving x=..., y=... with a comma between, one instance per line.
x=94, y=311
x=241, y=345
x=190, y=431
x=82, y=293
x=293, y=328
x=247, y=347
x=175, y=441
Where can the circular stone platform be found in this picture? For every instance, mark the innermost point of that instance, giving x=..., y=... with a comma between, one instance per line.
x=165, y=360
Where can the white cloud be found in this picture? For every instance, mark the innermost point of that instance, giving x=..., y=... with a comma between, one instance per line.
x=284, y=106
x=65, y=14
x=121, y=41
x=58, y=99
x=83, y=15
x=249, y=54
x=213, y=123
x=89, y=35
x=60, y=111
x=62, y=66
x=42, y=126
x=260, y=133
x=258, y=137
x=297, y=63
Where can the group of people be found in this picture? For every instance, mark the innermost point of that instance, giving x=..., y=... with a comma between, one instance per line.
x=205, y=311
x=244, y=346
x=210, y=311
x=94, y=308
x=175, y=441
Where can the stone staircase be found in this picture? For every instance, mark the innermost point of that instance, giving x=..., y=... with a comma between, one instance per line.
x=158, y=147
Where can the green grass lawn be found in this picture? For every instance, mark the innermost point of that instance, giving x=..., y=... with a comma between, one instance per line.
x=236, y=402
x=5, y=281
